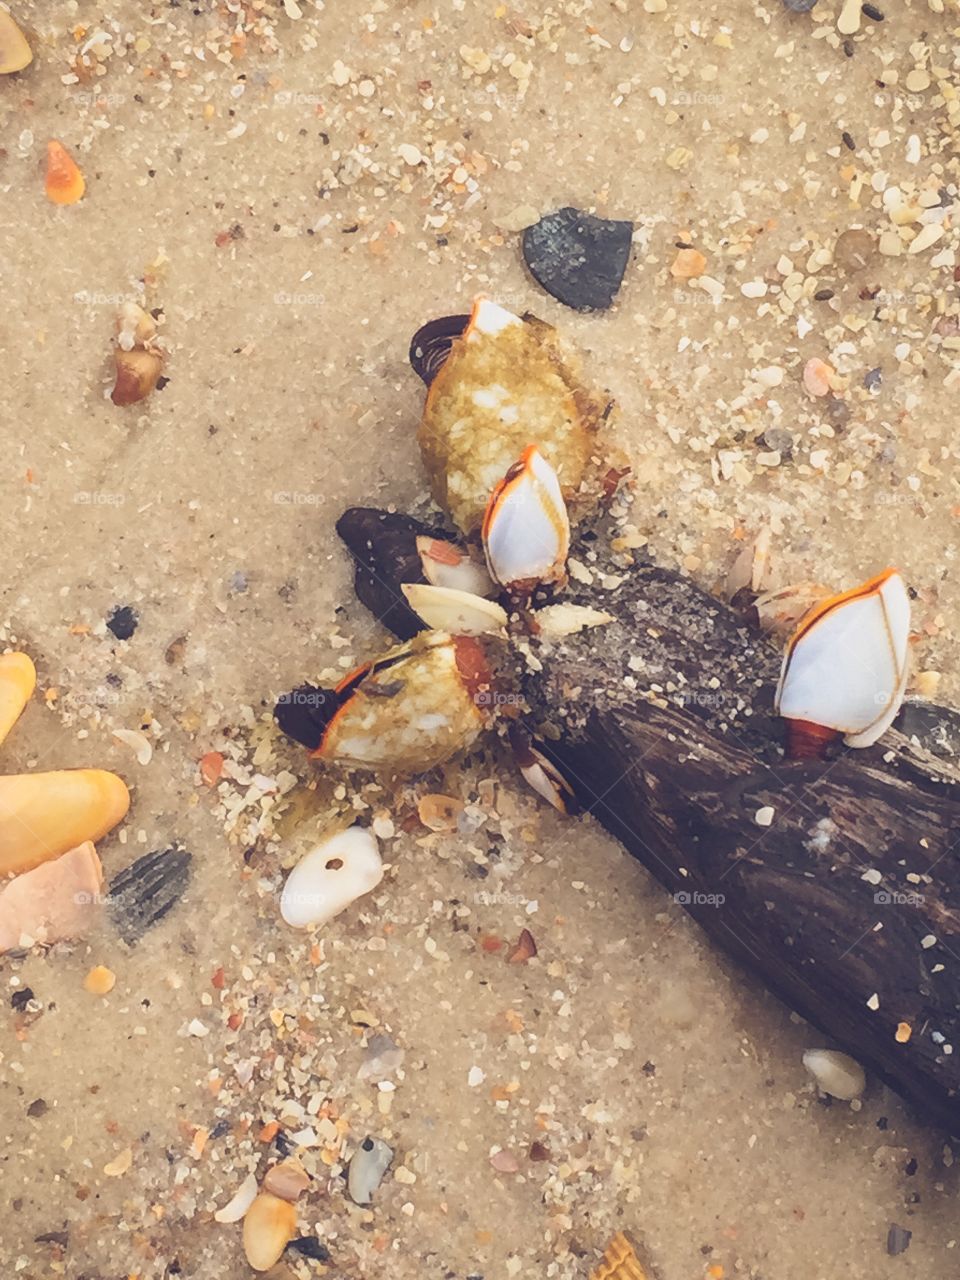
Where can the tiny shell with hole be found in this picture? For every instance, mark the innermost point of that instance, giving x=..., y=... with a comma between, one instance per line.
x=330, y=877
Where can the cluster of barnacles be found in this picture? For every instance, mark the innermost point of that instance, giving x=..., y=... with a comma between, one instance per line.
x=515, y=445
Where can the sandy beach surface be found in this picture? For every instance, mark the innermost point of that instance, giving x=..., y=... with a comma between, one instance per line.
x=292, y=189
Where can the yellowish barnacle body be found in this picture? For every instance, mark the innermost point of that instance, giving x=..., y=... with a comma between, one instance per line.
x=414, y=708
x=505, y=384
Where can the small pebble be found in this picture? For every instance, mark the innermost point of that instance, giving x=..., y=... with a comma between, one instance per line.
x=854, y=250
x=268, y=1226
x=100, y=980
x=836, y=1073
x=898, y=1240
x=872, y=12
x=122, y=621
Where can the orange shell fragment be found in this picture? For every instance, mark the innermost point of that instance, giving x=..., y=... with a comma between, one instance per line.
x=64, y=182
x=620, y=1262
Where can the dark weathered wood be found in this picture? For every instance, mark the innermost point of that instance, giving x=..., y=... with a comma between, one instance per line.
x=662, y=720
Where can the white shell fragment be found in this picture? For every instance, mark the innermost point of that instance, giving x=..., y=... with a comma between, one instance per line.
x=846, y=667
x=370, y=1162
x=445, y=565
x=526, y=530
x=339, y=870
x=241, y=1201
x=836, y=1073
x=567, y=619
x=457, y=612
x=489, y=318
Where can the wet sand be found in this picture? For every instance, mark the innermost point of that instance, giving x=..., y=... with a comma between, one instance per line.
x=292, y=259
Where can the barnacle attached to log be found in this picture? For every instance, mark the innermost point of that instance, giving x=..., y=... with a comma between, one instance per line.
x=505, y=384
x=407, y=711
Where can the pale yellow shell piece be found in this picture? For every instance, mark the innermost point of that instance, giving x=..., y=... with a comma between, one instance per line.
x=18, y=679
x=15, y=53
x=44, y=814
x=498, y=392
x=620, y=1262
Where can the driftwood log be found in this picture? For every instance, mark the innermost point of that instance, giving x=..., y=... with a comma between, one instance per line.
x=835, y=882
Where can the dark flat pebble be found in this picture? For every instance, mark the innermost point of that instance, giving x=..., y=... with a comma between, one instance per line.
x=872, y=12
x=799, y=6
x=310, y=1247
x=578, y=258
x=898, y=1240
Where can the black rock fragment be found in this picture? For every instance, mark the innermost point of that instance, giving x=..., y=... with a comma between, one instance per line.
x=799, y=6
x=578, y=258
x=898, y=1240
x=144, y=892
x=310, y=1247
x=430, y=345
x=123, y=621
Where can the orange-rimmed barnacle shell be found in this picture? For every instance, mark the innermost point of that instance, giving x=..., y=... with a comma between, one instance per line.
x=526, y=530
x=540, y=774
x=410, y=710
x=503, y=382
x=845, y=669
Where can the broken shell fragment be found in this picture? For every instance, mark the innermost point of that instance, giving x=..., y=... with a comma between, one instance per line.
x=143, y=893
x=240, y=1201
x=408, y=711
x=288, y=1179
x=18, y=679
x=846, y=667
x=268, y=1227
x=503, y=379
x=64, y=182
x=369, y=1163
x=44, y=814
x=540, y=774
x=15, y=53
x=619, y=1262
x=526, y=530
x=55, y=901
x=566, y=619
x=138, y=372
x=836, y=1073
x=458, y=612
x=578, y=258
x=330, y=877
x=446, y=565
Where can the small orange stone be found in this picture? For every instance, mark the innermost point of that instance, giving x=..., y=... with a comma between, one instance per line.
x=211, y=766
x=904, y=1032
x=688, y=264
x=100, y=980
x=64, y=183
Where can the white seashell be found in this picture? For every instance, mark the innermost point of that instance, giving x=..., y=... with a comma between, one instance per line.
x=445, y=565
x=568, y=619
x=489, y=318
x=243, y=1198
x=138, y=743
x=457, y=612
x=370, y=1162
x=836, y=1073
x=846, y=668
x=338, y=871
x=526, y=530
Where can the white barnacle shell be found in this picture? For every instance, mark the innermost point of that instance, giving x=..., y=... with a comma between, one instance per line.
x=846, y=666
x=526, y=530
x=836, y=1073
x=330, y=877
x=458, y=612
